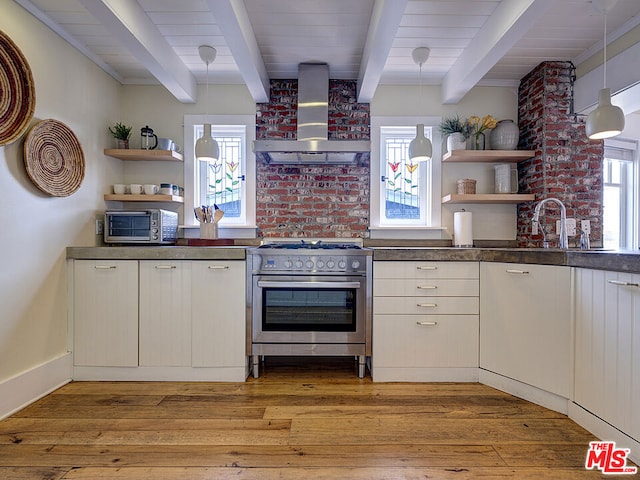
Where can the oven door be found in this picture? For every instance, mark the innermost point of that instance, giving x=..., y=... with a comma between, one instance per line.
x=127, y=227
x=309, y=309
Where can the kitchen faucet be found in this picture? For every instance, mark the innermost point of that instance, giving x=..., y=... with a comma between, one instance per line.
x=563, y=241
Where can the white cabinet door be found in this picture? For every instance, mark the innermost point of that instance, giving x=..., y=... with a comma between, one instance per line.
x=218, y=302
x=607, y=379
x=105, y=313
x=410, y=341
x=165, y=313
x=419, y=270
x=525, y=324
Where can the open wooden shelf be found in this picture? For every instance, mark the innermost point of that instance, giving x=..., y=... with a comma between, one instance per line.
x=487, y=156
x=489, y=198
x=143, y=155
x=143, y=198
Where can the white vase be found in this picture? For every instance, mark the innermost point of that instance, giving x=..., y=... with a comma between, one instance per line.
x=505, y=136
x=456, y=141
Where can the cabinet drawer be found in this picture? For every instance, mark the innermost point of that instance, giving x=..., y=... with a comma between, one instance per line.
x=426, y=305
x=426, y=270
x=388, y=287
x=440, y=341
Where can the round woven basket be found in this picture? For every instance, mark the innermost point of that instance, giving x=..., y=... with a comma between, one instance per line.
x=17, y=91
x=53, y=158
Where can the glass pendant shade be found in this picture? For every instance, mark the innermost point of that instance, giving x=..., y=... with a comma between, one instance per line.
x=605, y=121
x=420, y=149
x=207, y=149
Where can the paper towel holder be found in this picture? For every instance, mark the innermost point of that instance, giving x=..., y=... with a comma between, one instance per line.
x=462, y=229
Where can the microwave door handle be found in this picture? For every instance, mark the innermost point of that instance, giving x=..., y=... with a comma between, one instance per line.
x=276, y=284
x=137, y=213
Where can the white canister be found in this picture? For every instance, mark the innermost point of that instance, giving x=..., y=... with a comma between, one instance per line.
x=463, y=229
x=506, y=178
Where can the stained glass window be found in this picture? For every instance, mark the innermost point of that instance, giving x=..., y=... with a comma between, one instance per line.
x=405, y=180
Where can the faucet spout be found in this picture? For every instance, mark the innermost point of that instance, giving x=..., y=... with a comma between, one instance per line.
x=563, y=241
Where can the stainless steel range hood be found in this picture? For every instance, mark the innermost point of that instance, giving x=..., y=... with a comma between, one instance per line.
x=312, y=145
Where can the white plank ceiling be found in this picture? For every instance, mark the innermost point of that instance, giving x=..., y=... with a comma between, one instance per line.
x=487, y=42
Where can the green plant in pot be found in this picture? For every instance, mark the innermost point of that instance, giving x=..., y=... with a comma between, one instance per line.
x=121, y=133
x=457, y=131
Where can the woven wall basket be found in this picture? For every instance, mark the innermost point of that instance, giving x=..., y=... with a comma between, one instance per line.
x=53, y=158
x=17, y=91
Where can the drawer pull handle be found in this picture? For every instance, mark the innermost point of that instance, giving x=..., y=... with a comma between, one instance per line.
x=218, y=267
x=427, y=287
x=427, y=267
x=518, y=272
x=427, y=324
x=430, y=305
x=620, y=282
x=165, y=267
x=104, y=267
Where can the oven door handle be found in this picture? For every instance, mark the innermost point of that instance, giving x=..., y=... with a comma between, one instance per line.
x=276, y=284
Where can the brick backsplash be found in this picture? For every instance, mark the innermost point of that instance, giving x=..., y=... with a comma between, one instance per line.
x=314, y=200
x=567, y=165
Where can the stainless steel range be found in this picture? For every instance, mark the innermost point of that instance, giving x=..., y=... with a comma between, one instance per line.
x=309, y=298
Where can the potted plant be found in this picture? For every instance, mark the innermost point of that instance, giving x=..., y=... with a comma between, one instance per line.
x=457, y=131
x=121, y=133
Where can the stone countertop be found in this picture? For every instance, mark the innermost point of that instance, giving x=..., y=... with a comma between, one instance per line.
x=620, y=261
x=614, y=260
x=157, y=253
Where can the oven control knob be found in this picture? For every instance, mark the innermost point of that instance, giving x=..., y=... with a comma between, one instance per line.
x=355, y=264
x=320, y=264
x=298, y=263
x=331, y=264
x=309, y=264
x=288, y=264
x=342, y=264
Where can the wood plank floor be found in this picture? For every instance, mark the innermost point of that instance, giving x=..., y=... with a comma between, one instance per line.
x=310, y=419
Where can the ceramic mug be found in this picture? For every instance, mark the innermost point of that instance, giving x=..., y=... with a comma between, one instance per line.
x=135, y=189
x=119, y=189
x=166, y=189
x=150, y=189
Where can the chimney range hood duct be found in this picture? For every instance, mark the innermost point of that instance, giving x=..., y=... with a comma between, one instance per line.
x=312, y=145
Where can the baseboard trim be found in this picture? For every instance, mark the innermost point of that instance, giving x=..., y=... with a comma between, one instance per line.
x=527, y=392
x=424, y=374
x=19, y=391
x=161, y=374
x=604, y=431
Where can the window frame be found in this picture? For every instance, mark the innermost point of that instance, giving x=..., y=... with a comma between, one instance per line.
x=432, y=226
x=626, y=151
x=241, y=228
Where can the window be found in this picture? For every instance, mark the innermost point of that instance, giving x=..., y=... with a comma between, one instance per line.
x=620, y=197
x=228, y=183
x=404, y=194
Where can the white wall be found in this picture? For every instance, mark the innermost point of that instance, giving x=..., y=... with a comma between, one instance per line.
x=37, y=228
x=490, y=222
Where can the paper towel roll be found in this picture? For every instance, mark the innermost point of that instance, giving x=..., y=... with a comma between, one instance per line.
x=463, y=229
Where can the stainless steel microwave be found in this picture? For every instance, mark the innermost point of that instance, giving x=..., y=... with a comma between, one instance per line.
x=152, y=226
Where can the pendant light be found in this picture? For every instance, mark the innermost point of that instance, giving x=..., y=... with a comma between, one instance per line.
x=607, y=120
x=207, y=149
x=420, y=149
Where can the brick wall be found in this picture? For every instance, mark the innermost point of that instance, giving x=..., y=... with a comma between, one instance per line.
x=567, y=165
x=314, y=200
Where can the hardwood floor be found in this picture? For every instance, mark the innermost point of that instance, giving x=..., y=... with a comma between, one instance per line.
x=311, y=421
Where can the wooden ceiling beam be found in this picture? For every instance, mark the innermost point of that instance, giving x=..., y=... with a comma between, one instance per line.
x=233, y=21
x=385, y=20
x=128, y=22
x=507, y=25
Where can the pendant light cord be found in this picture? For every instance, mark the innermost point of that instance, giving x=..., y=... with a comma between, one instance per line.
x=604, y=65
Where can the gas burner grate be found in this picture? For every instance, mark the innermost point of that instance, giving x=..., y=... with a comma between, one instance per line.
x=311, y=245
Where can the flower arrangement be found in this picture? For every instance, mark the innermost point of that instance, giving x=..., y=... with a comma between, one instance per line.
x=478, y=126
